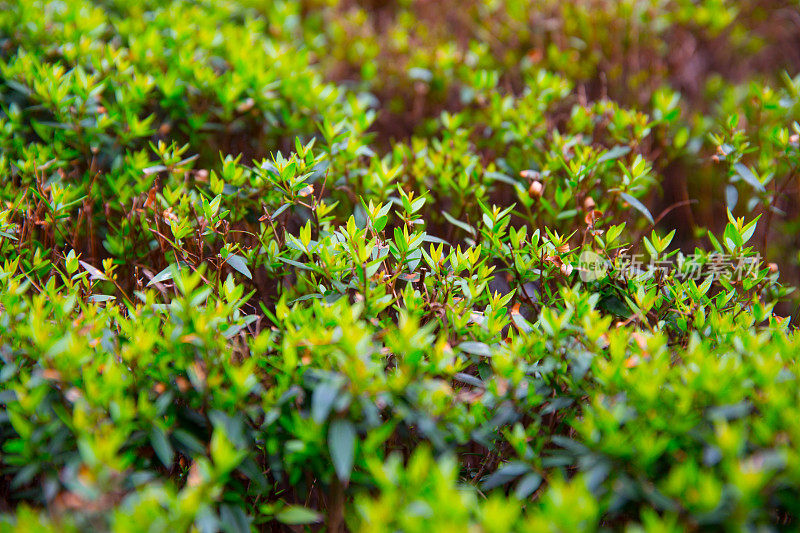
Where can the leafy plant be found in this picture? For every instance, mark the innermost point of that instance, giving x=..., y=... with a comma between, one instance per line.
x=238, y=292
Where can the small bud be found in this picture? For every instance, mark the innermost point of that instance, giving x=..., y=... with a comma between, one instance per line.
x=535, y=55
x=773, y=268
x=592, y=217
x=246, y=106
x=536, y=189
x=182, y=383
x=632, y=362
x=588, y=204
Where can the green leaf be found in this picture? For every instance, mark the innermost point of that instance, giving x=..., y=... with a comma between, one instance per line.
x=505, y=474
x=342, y=446
x=639, y=206
x=732, y=237
x=614, y=232
x=747, y=175
x=239, y=264
x=528, y=485
x=666, y=241
x=463, y=225
x=295, y=264
x=280, y=210
x=469, y=379
x=162, y=446
x=164, y=275
x=95, y=273
x=749, y=229
x=731, y=196
x=614, y=153
x=476, y=348
x=296, y=515
x=167, y=273
x=97, y=298
x=499, y=176
x=322, y=401
x=234, y=519
x=190, y=443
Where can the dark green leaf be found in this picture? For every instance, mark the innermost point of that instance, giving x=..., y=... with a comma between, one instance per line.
x=475, y=348
x=506, y=473
x=162, y=446
x=614, y=153
x=234, y=519
x=747, y=175
x=342, y=446
x=639, y=206
x=295, y=515
x=239, y=264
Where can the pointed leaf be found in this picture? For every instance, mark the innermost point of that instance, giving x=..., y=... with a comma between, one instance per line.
x=342, y=446
x=475, y=348
x=528, y=485
x=614, y=153
x=505, y=474
x=731, y=196
x=639, y=206
x=295, y=515
x=239, y=264
x=234, y=519
x=161, y=446
x=95, y=273
x=322, y=401
x=167, y=273
x=463, y=225
x=747, y=175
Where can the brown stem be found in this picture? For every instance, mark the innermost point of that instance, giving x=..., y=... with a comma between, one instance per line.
x=336, y=507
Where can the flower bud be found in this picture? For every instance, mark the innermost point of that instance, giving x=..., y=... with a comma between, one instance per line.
x=536, y=189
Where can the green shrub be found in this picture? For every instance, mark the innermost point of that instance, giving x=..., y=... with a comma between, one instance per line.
x=238, y=293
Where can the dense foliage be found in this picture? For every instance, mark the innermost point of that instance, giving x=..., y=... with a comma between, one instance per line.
x=399, y=266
